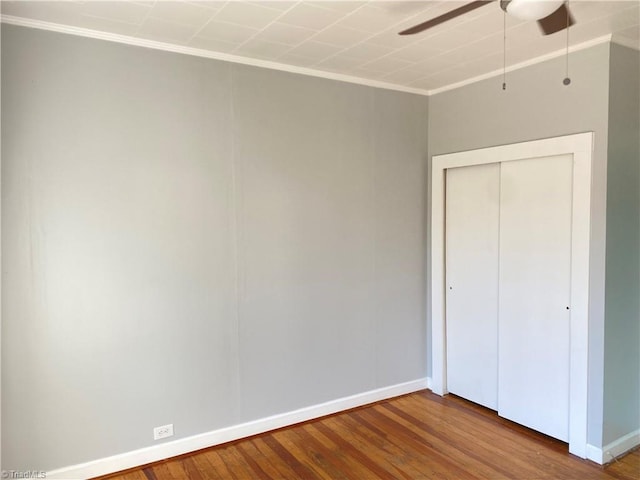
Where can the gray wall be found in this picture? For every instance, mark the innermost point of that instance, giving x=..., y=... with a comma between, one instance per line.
x=193, y=242
x=537, y=105
x=622, y=326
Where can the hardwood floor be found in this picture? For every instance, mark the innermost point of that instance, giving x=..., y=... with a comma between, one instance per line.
x=416, y=436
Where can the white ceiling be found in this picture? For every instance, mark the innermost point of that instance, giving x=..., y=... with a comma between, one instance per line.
x=354, y=38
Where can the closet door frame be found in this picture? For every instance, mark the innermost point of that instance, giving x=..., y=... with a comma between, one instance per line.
x=581, y=147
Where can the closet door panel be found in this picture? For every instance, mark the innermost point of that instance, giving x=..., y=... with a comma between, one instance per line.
x=472, y=209
x=534, y=279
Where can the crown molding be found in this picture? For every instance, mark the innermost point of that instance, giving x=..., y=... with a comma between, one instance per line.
x=527, y=63
x=141, y=42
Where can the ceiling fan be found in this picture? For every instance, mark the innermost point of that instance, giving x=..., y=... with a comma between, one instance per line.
x=552, y=15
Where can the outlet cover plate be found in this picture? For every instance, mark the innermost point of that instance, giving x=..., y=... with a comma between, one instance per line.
x=163, y=432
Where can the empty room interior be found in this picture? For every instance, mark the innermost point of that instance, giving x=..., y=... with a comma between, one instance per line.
x=320, y=239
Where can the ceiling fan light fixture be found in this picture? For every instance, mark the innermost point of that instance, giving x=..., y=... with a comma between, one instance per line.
x=530, y=9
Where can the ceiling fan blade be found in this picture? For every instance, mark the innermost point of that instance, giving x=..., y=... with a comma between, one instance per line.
x=557, y=21
x=445, y=17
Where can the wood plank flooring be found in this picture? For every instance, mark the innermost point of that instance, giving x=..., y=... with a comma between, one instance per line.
x=416, y=436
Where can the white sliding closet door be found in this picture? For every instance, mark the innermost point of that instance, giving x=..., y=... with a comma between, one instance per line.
x=543, y=281
x=472, y=213
x=534, y=299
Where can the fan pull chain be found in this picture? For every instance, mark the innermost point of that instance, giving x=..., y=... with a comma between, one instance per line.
x=567, y=80
x=504, y=50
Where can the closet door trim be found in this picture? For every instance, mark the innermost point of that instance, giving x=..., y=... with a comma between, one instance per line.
x=581, y=147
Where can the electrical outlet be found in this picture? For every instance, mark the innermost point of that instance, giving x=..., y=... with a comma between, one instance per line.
x=163, y=432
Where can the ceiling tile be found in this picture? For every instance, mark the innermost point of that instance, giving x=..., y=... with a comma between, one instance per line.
x=542, y=46
x=622, y=20
x=284, y=33
x=212, y=44
x=247, y=14
x=120, y=11
x=314, y=49
x=417, y=51
x=106, y=25
x=478, y=12
x=490, y=22
x=486, y=46
x=402, y=9
x=440, y=79
x=341, y=36
x=483, y=65
x=227, y=32
x=339, y=62
x=212, y=4
x=163, y=31
x=367, y=51
x=404, y=76
x=390, y=38
x=429, y=67
x=450, y=39
x=525, y=35
x=368, y=19
x=339, y=6
x=528, y=38
x=275, y=4
x=180, y=12
x=260, y=49
x=386, y=64
x=419, y=70
x=297, y=60
x=55, y=12
x=309, y=16
x=439, y=8
x=464, y=73
x=585, y=11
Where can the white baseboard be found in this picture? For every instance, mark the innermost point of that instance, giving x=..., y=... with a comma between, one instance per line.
x=181, y=446
x=594, y=454
x=613, y=450
x=429, y=382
